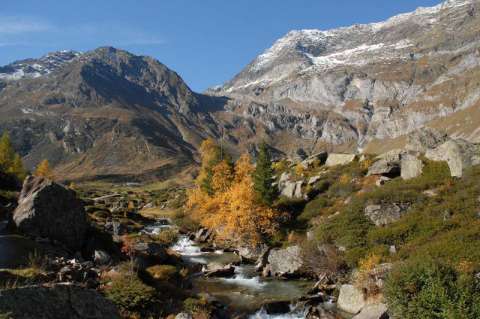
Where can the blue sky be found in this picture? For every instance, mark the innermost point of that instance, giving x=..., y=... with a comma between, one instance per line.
x=206, y=41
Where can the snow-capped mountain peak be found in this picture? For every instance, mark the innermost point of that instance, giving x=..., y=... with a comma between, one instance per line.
x=34, y=68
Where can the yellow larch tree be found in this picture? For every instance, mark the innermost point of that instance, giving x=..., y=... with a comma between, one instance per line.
x=232, y=208
x=44, y=170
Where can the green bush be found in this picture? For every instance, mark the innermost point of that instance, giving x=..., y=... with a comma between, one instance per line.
x=198, y=307
x=129, y=293
x=424, y=288
x=314, y=208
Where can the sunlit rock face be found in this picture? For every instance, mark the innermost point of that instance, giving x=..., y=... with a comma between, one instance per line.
x=365, y=82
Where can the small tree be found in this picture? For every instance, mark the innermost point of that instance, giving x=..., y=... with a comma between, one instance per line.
x=17, y=168
x=263, y=177
x=7, y=153
x=43, y=170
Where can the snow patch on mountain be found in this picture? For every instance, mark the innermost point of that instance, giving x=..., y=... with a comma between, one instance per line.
x=34, y=68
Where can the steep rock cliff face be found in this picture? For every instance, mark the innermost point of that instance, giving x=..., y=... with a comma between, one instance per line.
x=350, y=86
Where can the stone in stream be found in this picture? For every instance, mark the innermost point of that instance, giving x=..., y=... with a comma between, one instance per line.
x=148, y=254
x=219, y=270
x=286, y=262
x=49, y=210
x=351, y=299
x=58, y=301
x=277, y=307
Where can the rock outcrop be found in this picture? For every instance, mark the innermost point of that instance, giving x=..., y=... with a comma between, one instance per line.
x=410, y=166
x=384, y=214
x=286, y=262
x=339, y=159
x=351, y=299
x=59, y=301
x=459, y=154
x=49, y=210
x=420, y=141
x=373, y=311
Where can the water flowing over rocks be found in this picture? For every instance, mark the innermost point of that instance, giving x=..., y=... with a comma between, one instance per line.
x=49, y=210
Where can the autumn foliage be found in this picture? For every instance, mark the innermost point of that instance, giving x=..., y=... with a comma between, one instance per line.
x=224, y=198
x=44, y=170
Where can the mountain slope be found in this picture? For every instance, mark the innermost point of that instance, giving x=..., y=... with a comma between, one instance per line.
x=107, y=113
x=347, y=87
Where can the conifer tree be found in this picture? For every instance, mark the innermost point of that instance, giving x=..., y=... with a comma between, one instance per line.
x=17, y=168
x=43, y=170
x=263, y=177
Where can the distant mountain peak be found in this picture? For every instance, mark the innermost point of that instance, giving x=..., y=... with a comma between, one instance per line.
x=34, y=68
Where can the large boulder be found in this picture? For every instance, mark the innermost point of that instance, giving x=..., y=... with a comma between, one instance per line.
x=411, y=167
x=387, y=164
x=384, y=214
x=286, y=262
x=56, y=302
x=339, y=159
x=459, y=155
x=291, y=189
x=49, y=210
x=385, y=168
x=422, y=140
x=148, y=254
x=319, y=158
x=351, y=299
x=251, y=253
x=373, y=311
x=219, y=270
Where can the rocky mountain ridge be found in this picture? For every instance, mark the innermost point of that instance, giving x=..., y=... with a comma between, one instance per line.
x=360, y=88
x=106, y=113
x=34, y=68
x=353, y=85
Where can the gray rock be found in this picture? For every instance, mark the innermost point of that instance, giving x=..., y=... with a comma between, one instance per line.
x=183, y=315
x=388, y=164
x=59, y=301
x=319, y=157
x=382, y=215
x=339, y=159
x=101, y=257
x=147, y=254
x=373, y=311
x=50, y=210
x=298, y=189
x=394, y=155
x=288, y=189
x=411, y=167
x=314, y=179
x=291, y=189
x=382, y=180
x=277, y=307
x=284, y=177
x=219, y=270
x=459, y=154
x=351, y=299
x=425, y=139
x=251, y=254
x=286, y=262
